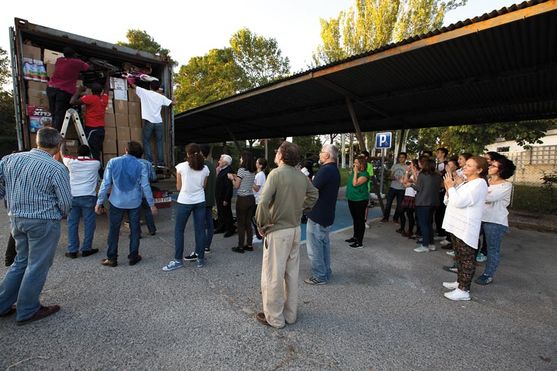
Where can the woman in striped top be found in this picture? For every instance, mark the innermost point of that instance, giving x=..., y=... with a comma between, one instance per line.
x=245, y=202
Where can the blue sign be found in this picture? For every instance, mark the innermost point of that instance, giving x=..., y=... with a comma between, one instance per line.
x=383, y=140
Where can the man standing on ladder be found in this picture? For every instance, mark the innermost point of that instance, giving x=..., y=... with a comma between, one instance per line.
x=61, y=86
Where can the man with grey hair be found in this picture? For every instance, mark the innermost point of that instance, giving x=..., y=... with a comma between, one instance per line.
x=223, y=196
x=37, y=189
x=286, y=194
x=322, y=216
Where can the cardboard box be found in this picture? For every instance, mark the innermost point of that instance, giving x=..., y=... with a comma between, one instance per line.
x=120, y=87
x=32, y=52
x=132, y=97
x=36, y=85
x=136, y=134
x=109, y=145
x=109, y=120
x=109, y=133
x=135, y=121
x=50, y=56
x=121, y=107
x=37, y=97
x=110, y=106
x=134, y=108
x=50, y=69
x=123, y=134
x=121, y=120
x=122, y=147
x=108, y=156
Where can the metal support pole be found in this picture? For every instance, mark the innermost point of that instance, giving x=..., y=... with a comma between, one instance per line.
x=356, y=124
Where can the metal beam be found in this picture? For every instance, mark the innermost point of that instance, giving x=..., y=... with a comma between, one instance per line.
x=356, y=124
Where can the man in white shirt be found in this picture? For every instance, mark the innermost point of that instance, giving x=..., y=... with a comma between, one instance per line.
x=84, y=176
x=151, y=103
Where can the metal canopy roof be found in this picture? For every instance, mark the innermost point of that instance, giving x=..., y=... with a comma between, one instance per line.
x=495, y=68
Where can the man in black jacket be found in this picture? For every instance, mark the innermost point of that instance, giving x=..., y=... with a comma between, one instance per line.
x=223, y=195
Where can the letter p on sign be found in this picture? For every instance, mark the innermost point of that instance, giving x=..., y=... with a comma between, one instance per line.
x=383, y=140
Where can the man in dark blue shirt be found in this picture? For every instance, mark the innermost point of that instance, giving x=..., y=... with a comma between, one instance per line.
x=322, y=216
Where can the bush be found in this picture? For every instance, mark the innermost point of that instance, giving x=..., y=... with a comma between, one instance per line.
x=535, y=199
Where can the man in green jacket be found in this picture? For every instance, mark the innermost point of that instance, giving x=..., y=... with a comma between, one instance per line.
x=287, y=193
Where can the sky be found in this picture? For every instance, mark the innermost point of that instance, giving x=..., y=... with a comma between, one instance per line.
x=191, y=28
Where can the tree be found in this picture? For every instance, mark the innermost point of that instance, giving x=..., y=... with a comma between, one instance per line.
x=259, y=58
x=371, y=24
x=250, y=61
x=207, y=79
x=474, y=138
x=8, y=141
x=309, y=145
x=141, y=40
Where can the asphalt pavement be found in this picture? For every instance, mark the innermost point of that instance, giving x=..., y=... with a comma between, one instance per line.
x=383, y=310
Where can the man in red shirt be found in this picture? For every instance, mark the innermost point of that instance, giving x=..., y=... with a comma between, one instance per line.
x=61, y=86
x=95, y=108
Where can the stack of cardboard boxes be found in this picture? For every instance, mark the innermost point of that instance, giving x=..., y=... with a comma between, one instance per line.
x=123, y=113
x=122, y=120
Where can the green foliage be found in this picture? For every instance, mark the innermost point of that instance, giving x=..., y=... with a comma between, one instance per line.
x=259, y=58
x=141, y=40
x=4, y=68
x=474, y=138
x=370, y=24
x=310, y=146
x=207, y=79
x=250, y=61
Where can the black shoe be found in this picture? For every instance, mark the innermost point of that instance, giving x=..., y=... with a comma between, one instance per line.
x=109, y=263
x=238, y=249
x=229, y=234
x=191, y=257
x=357, y=245
x=135, y=259
x=89, y=252
x=71, y=255
x=350, y=240
x=207, y=250
x=400, y=230
x=451, y=269
x=248, y=248
x=153, y=233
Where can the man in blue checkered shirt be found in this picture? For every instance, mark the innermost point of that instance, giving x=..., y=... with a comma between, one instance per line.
x=37, y=189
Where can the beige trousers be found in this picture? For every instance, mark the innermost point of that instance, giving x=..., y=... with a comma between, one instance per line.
x=279, y=276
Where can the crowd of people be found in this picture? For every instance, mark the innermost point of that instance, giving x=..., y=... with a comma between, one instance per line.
x=464, y=197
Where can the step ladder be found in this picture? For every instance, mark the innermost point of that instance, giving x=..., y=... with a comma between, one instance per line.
x=72, y=114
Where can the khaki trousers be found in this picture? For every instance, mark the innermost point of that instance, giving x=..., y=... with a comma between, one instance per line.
x=279, y=276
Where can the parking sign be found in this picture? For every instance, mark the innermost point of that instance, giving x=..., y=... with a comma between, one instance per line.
x=383, y=140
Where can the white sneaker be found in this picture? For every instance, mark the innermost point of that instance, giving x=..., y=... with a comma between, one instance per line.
x=367, y=225
x=432, y=248
x=421, y=249
x=450, y=252
x=444, y=243
x=450, y=285
x=457, y=294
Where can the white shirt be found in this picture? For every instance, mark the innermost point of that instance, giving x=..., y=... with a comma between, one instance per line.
x=151, y=103
x=193, y=182
x=496, y=203
x=463, y=216
x=84, y=175
x=259, y=181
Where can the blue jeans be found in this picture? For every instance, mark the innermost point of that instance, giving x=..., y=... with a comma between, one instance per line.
x=115, y=216
x=319, y=250
x=36, y=241
x=494, y=235
x=425, y=221
x=391, y=194
x=209, y=226
x=148, y=129
x=149, y=219
x=183, y=212
x=82, y=206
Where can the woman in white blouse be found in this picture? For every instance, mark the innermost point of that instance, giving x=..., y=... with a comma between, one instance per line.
x=463, y=220
x=494, y=219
